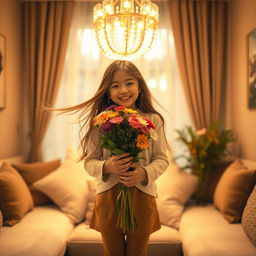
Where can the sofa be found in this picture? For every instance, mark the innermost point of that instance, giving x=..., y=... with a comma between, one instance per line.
x=60, y=226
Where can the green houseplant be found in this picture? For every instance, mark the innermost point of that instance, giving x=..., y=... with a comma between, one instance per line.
x=206, y=148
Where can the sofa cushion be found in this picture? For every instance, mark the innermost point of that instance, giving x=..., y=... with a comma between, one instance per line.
x=174, y=189
x=233, y=190
x=32, y=172
x=91, y=201
x=42, y=232
x=213, y=179
x=15, y=198
x=165, y=241
x=204, y=231
x=68, y=188
x=249, y=217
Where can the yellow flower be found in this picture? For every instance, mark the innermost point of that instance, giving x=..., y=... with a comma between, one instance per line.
x=142, y=141
x=142, y=120
x=130, y=111
x=112, y=114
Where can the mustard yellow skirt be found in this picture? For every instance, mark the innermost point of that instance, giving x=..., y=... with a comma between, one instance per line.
x=104, y=216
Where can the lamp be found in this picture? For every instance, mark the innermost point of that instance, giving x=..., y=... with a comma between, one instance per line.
x=125, y=29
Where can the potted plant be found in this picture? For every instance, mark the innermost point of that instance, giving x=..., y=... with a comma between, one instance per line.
x=206, y=148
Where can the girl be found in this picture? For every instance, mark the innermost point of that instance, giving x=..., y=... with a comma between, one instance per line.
x=123, y=85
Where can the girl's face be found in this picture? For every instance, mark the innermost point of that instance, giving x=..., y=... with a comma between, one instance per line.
x=124, y=89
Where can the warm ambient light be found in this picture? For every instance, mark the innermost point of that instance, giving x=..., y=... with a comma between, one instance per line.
x=125, y=29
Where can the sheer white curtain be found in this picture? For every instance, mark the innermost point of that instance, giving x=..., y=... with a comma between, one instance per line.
x=84, y=69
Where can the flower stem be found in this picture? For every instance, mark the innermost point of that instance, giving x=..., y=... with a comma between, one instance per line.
x=126, y=219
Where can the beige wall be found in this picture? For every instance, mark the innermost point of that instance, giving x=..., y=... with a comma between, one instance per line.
x=10, y=117
x=242, y=20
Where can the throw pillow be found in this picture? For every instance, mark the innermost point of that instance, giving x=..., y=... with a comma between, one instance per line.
x=174, y=189
x=32, y=172
x=68, y=188
x=249, y=216
x=233, y=190
x=15, y=197
x=214, y=178
x=91, y=201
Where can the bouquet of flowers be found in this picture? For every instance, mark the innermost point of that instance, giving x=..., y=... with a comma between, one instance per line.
x=124, y=131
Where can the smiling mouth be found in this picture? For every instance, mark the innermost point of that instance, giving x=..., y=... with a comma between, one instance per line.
x=124, y=98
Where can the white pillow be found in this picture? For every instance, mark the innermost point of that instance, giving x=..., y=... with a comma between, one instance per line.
x=174, y=189
x=67, y=186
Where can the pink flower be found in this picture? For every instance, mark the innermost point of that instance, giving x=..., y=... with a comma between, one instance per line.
x=135, y=122
x=145, y=130
x=119, y=108
x=116, y=120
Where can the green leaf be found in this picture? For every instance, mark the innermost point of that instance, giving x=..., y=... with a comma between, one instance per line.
x=111, y=144
x=117, y=151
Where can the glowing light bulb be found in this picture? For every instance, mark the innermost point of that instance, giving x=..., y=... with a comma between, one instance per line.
x=99, y=13
x=140, y=25
x=127, y=4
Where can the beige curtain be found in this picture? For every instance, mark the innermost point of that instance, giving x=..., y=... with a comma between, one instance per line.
x=200, y=33
x=46, y=30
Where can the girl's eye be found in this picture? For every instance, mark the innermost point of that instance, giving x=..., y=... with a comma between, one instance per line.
x=130, y=84
x=114, y=86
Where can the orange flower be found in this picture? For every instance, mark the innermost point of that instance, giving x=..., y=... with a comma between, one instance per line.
x=142, y=141
x=201, y=132
x=101, y=118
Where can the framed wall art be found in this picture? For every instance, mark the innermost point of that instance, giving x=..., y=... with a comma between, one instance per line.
x=2, y=72
x=252, y=70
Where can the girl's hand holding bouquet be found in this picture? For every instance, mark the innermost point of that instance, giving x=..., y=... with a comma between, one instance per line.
x=138, y=175
x=117, y=164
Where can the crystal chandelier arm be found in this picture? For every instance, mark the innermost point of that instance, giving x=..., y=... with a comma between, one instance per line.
x=127, y=34
x=115, y=2
x=141, y=40
x=99, y=44
x=107, y=38
x=138, y=3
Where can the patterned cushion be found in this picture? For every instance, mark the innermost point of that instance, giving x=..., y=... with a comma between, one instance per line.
x=249, y=217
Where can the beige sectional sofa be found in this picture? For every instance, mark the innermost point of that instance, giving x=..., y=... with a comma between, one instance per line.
x=42, y=232
x=204, y=231
x=48, y=230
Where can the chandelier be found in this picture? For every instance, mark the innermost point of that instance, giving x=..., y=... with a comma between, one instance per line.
x=125, y=29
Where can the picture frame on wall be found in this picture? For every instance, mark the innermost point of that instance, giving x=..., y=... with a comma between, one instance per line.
x=2, y=72
x=252, y=70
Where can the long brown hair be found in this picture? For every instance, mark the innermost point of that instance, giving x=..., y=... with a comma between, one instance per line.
x=90, y=108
